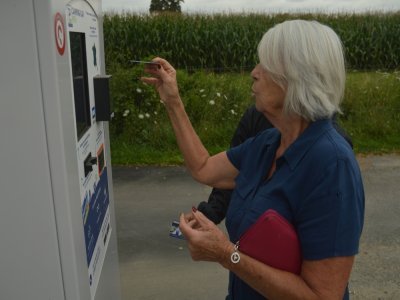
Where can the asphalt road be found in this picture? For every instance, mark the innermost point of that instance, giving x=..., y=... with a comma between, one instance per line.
x=155, y=266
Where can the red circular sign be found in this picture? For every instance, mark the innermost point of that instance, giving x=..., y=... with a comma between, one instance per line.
x=59, y=33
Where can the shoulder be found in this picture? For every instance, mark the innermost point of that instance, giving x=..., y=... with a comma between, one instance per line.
x=266, y=137
x=327, y=156
x=253, y=147
x=332, y=146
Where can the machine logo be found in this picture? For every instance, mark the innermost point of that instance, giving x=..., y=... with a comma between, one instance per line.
x=59, y=33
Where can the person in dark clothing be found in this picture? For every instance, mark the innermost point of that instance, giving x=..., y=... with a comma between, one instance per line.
x=251, y=123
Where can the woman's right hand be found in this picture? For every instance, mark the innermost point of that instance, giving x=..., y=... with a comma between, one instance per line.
x=206, y=241
x=164, y=80
x=189, y=218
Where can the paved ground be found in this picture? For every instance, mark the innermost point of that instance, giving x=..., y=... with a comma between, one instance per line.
x=155, y=266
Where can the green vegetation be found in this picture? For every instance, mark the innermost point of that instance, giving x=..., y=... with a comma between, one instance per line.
x=214, y=55
x=228, y=42
x=371, y=111
x=142, y=134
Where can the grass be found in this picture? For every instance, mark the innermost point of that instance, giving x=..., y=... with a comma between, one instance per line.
x=141, y=133
x=372, y=111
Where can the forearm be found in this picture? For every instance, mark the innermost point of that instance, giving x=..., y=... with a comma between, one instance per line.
x=269, y=282
x=192, y=149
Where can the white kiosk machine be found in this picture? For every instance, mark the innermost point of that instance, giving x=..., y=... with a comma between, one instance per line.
x=57, y=225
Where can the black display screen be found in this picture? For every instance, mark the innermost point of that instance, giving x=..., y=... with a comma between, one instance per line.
x=80, y=82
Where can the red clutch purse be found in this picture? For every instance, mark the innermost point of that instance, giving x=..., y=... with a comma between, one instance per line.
x=273, y=241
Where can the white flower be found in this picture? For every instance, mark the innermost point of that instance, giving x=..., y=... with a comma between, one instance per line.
x=219, y=94
x=226, y=98
x=155, y=122
x=141, y=116
x=126, y=112
x=201, y=91
x=233, y=112
x=212, y=102
x=139, y=90
x=155, y=113
x=202, y=96
x=147, y=115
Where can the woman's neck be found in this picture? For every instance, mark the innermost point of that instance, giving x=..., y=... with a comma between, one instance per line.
x=290, y=127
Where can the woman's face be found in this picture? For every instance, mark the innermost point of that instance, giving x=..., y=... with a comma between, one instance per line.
x=268, y=95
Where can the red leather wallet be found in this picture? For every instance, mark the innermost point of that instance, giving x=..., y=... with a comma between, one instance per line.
x=273, y=241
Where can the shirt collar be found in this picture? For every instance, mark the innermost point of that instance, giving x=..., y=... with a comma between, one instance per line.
x=273, y=137
x=304, y=142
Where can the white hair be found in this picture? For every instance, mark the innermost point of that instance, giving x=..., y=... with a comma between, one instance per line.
x=305, y=58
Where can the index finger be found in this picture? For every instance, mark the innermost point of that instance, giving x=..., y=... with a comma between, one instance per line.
x=164, y=63
x=202, y=219
x=185, y=228
x=165, y=72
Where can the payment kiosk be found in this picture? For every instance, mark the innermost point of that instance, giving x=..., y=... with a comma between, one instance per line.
x=57, y=221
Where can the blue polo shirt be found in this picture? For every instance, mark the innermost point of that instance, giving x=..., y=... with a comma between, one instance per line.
x=317, y=186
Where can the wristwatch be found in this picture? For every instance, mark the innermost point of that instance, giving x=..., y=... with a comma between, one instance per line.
x=235, y=256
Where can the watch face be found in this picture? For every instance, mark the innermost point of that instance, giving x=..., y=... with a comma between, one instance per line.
x=235, y=257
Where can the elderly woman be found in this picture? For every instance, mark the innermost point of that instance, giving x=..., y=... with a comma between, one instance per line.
x=302, y=168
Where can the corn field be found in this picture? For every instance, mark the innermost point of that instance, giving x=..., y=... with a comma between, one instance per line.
x=229, y=42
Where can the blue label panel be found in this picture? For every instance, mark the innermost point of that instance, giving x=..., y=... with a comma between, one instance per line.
x=94, y=212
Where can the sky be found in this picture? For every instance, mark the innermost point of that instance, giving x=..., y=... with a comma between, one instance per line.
x=262, y=6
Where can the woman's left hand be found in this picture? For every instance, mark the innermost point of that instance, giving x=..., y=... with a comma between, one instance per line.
x=205, y=240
